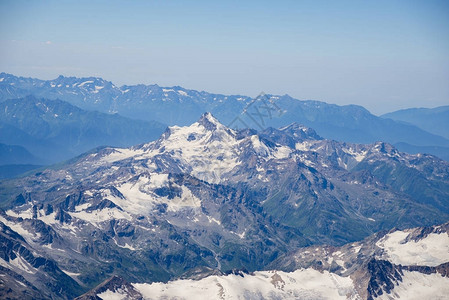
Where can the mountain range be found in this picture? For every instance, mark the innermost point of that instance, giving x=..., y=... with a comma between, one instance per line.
x=49, y=131
x=180, y=106
x=435, y=120
x=205, y=199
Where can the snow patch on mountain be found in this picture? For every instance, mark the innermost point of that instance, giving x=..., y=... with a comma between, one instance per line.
x=71, y=274
x=418, y=286
x=20, y=263
x=260, y=148
x=282, y=152
x=300, y=284
x=17, y=227
x=120, y=154
x=85, y=82
x=139, y=196
x=182, y=93
x=51, y=220
x=101, y=215
x=357, y=155
x=303, y=146
x=135, y=200
x=187, y=199
x=97, y=89
x=432, y=250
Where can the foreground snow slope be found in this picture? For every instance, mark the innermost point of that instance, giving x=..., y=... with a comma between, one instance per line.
x=300, y=284
x=368, y=269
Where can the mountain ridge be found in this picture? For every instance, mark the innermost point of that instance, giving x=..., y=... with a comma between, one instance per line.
x=176, y=105
x=433, y=120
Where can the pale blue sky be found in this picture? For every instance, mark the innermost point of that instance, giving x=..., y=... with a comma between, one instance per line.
x=384, y=55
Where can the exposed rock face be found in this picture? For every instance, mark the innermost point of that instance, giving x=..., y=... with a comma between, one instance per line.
x=384, y=277
x=19, y=262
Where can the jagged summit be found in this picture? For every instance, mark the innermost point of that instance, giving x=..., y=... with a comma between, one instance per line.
x=206, y=124
x=209, y=121
x=91, y=84
x=300, y=131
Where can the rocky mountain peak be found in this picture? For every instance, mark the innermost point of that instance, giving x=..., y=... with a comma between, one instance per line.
x=209, y=122
x=300, y=131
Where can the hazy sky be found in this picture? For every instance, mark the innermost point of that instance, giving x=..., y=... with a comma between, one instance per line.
x=384, y=55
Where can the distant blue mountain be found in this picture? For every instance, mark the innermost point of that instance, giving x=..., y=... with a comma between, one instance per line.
x=180, y=106
x=15, y=160
x=434, y=120
x=54, y=130
x=12, y=154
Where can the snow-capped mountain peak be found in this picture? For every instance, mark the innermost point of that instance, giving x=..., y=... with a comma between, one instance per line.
x=206, y=130
x=206, y=148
